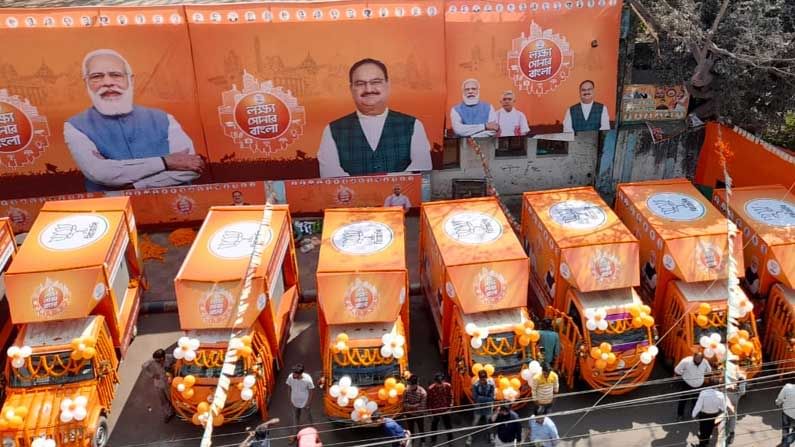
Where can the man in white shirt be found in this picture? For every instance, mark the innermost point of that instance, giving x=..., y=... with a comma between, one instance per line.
x=587, y=114
x=512, y=122
x=373, y=139
x=119, y=145
x=710, y=404
x=398, y=199
x=692, y=370
x=786, y=400
x=471, y=117
x=301, y=387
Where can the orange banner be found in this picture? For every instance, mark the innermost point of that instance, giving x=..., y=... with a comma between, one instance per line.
x=541, y=52
x=314, y=195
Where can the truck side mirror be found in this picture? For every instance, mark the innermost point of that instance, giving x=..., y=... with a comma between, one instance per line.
x=104, y=368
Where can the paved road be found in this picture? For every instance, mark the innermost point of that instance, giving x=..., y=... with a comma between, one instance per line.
x=133, y=424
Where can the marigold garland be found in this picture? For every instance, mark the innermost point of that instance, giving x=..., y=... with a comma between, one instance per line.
x=152, y=250
x=182, y=237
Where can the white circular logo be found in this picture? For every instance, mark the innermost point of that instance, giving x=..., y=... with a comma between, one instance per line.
x=668, y=262
x=565, y=272
x=262, y=299
x=777, y=213
x=235, y=241
x=99, y=291
x=473, y=228
x=578, y=214
x=773, y=267
x=402, y=295
x=362, y=238
x=675, y=206
x=73, y=232
x=450, y=289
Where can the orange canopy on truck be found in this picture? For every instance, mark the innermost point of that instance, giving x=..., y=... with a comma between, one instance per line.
x=688, y=235
x=210, y=280
x=596, y=250
x=7, y=244
x=485, y=263
x=361, y=273
x=70, y=259
x=766, y=217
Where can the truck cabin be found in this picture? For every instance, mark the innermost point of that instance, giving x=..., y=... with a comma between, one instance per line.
x=362, y=361
x=779, y=341
x=502, y=347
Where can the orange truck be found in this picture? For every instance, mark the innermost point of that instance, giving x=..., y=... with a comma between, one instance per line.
x=208, y=286
x=363, y=310
x=585, y=264
x=74, y=290
x=684, y=259
x=474, y=274
x=8, y=248
x=766, y=217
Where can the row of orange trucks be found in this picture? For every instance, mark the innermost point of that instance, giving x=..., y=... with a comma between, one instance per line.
x=620, y=287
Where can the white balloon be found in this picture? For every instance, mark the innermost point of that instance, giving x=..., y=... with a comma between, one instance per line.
x=81, y=401
x=246, y=394
x=590, y=313
x=345, y=381
x=386, y=351
x=476, y=343
x=25, y=351
x=183, y=341
x=236, y=343
x=386, y=339
x=400, y=340
x=334, y=391
x=49, y=443
x=484, y=332
x=653, y=350
x=602, y=325
x=181, y=387
x=704, y=341
x=398, y=352
x=709, y=353
x=355, y=416
x=80, y=413
x=590, y=325
x=190, y=356
x=646, y=357
x=605, y=356
x=18, y=363
x=343, y=401
x=526, y=375
x=12, y=351
x=249, y=381
x=194, y=344
x=371, y=406
x=470, y=328
x=534, y=367
x=65, y=404
x=66, y=416
x=351, y=392
x=179, y=353
x=358, y=404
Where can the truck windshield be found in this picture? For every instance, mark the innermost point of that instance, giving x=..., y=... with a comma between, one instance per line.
x=623, y=341
x=503, y=352
x=63, y=370
x=364, y=375
x=209, y=372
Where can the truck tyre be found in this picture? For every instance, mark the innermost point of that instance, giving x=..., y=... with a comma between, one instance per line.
x=102, y=434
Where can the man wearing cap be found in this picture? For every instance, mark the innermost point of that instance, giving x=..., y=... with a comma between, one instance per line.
x=512, y=122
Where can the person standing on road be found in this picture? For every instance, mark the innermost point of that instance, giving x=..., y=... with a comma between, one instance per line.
x=734, y=392
x=260, y=437
x=786, y=400
x=549, y=342
x=155, y=369
x=483, y=395
x=692, y=370
x=710, y=404
x=440, y=403
x=545, y=386
x=509, y=430
x=301, y=387
x=415, y=400
x=543, y=432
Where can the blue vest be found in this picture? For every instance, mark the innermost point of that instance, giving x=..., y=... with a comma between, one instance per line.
x=141, y=133
x=393, y=153
x=475, y=114
x=578, y=121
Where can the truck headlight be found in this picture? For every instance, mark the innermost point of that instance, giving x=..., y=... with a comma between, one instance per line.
x=9, y=442
x=75, y=433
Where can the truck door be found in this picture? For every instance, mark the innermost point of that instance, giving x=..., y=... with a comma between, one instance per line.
x=106, y=370
x=266, y=380
x=458, y=361
x=570, y=339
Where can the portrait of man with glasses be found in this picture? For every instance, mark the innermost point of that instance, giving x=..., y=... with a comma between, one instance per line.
x=373, y=139
x=120, y=145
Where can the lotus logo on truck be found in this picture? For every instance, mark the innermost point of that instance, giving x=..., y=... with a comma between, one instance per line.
x=577, y=214
x=675, y=206
x=50, y=298
x=73, y=232
x=361, y=298
x=490, y=286
x=473, y=228
x=216, y=306
x=362, y=238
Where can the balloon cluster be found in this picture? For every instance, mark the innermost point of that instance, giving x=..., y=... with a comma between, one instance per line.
x=393, y=345
x=713, y=348
x=641, y=315
x=18, y=355
x=526, y=333
x=83, y=348
x=702, y=319
x=595, y=319
x=477, y=367
x=740, y=343
x=186, y=349
x=202, y=415
x=74, y=409
x=603, y=356
x=241, y=346
x=391, y=391
x=343, y=391
x=43, y=442
x=533, y=369
x=341, y=344
x=507, y=389
x=13, y=417
x=184, y=385
x=649, y=354
x=246, y=387
x=363, y=409
x=477, y=335
x=744, y=306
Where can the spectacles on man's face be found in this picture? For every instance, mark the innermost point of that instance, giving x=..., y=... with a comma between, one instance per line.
x=375, y=83
x=99, y=77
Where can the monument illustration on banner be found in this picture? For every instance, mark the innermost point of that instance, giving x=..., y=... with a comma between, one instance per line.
x=23, y=132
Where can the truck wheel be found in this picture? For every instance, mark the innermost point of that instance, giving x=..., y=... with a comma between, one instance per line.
x=101, y=434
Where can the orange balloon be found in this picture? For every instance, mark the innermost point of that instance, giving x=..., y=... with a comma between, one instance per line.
x=188, y=393
x=645, y=309
x=518, y=329
x=189, y=380
x=734, y=338
x=524, y=340
x=246, y=339
x=393, y=400
x=516, y=383
x=16, y=421
x=3, y=424
x=736, y=349
x=476, y=368
x=647, y=320
x=637, y=322
x=530, y=324
x=195, y=419
x=203, y=407
x=605, y=347
x=595, y=353
x=535, y=336
x=504, y=382
x=742, y=333
x=400, y=387
x=489, y=368
x=245, y=351
x=390, y=382
x=176, y=381
x=382, y=394
x=89, y=353
x=600, y=364
x=611, y=358
x=704, y=308
x=342, y=337
x=218, y=420
x=634, y=310
x=748, y=348
x=498, y=394
x=702, y=321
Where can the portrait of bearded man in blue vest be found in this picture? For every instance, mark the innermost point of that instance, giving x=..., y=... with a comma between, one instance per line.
x=473, y=117
x=587, y=114
x=373, y=139
x=119, y=145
